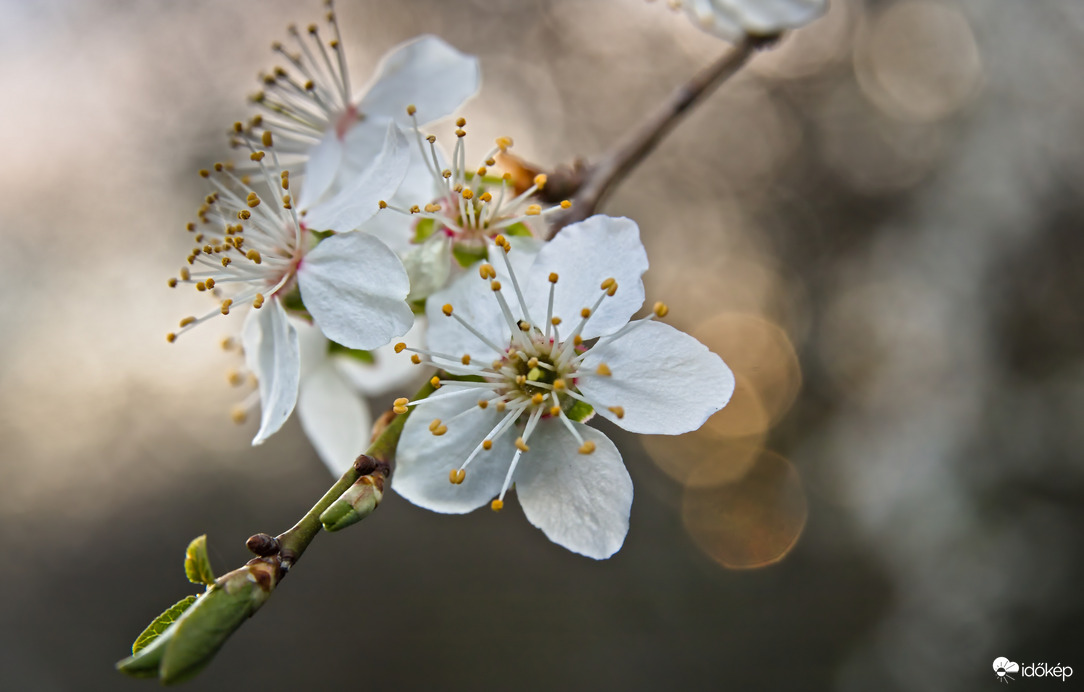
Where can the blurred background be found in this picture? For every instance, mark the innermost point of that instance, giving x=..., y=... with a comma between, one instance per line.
x=879, y=225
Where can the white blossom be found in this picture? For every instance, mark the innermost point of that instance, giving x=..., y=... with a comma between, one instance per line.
x=325, y=126
x=255, y=250
x=547, y=340
x=735, y=19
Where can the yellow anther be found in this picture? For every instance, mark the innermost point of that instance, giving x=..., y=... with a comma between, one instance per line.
x=486, y=271
x=234, y=378
x=465, y=360
x=577, y=340
x=553, y=277
x=607, y=283
x=432, y=207
x=400, y=346
x=172, y=282
x=555, y=411
x=312, y=28
x=585, y=313
x=460, y=133
x=309, y=85
x=252, y=200
x=504, y=142
x=190, y=227
x=244, y=214
x=287, y=202
x=460, y=122
x=257, y=156
x=618, y=411
x=432, y=139
x=491, y=162
x=226, y=343
x=661, y=309
x=521, y=445
x=495, y=285
x=210, y=283
x=226, y=261
x=482, y=170
x=265, y=138
x=383, y=204
x=204, y=173
x=534, y=210
x=524, y=325
x=537, y=399
x=226, y=306
x=446, y=174
x=441, y=430
x=486, y=197
x=496, y=505
x=411, y=109
x=171, y=337
x=603, y=370
x=566, y=204
x=483, y=404
x=434, y=424
x=447, y=309
x=201, y=286
x=400, y=405
x=558, y=385
x=415, y=209
x=456, y=476
x=501, y=406
x=487, y=445
x=612, y=290
x=467, y=193
x=238, y=415
x=434, y=381
x=416, y=359
x=532, y=363
x=187, y=321
x=257, y=302
x=587, y=447
x=521, y=380
x=254, y=256
x=540, y=180
x=555, y=321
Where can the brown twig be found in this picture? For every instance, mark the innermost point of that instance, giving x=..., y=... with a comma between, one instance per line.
x=592, y=183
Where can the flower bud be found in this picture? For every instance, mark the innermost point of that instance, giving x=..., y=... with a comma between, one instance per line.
x=355, y=504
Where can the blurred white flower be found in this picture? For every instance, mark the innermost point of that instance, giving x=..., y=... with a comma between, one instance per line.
x=445, y=214
x=547, y=340
x=735, y=19
x=253, y=250
x=326, y=127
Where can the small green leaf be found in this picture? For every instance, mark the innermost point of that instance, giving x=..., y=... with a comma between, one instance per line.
x=162, y=623
x=580, y=412
x=357, y=354
x=466, y=256
x=423, y=229
x=518, y=229
x=197, y=565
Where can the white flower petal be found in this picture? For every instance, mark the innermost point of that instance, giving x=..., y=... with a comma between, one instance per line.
x=424, y=460
x=390, y=371
x=321, y=168
x=312, y=345
x=356, y=288
x=272, y=354
x=425, y=72
x=732, y=19
x=583, y=255
x=472, y=299
x=666, y=381
x=418, y=187
x=336, y=419
x=358, y=201
x=428, y=265
x=580, y=501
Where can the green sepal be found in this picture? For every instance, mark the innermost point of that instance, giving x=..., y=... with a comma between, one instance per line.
x=321, y=235
x=580, y=412
x=467, y=255
x=355, y=504
x=197, y=564
x=423, y=229
x=357, y=354
x=146, y=662
x=517, y=229
x=161, y=624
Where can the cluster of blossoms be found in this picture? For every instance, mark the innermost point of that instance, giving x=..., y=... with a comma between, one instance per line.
x=388, y=236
